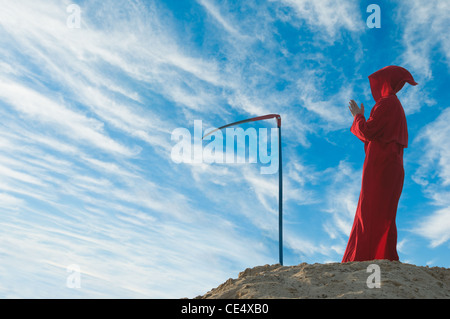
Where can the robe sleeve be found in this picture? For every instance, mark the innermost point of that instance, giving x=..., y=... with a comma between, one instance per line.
x=369, y=130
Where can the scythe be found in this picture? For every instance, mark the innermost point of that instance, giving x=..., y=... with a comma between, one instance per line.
x=280, y=173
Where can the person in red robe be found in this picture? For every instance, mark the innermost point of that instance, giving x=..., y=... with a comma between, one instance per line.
x=385, y=135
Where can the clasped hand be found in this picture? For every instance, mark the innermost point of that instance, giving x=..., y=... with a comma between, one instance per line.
x=354, y=109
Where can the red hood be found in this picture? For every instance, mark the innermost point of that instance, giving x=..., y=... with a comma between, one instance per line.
x=389, y=80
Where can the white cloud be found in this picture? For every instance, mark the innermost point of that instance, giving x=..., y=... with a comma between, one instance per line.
x=435, y=227
x=215, y=13
x=9, y=201
x=327, y=17
x=341, y=198
x=433, y=175
x=425, y=35
x=38, y=107
x=437, y=145
x=413, y=98
x=425, y=31
x=330, y=108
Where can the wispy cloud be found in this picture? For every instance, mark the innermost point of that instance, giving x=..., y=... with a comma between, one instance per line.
x=38, y=107
x=434, y=176
x=215, y=13
x=424, y=35
x=436, y=227
x=326, y=17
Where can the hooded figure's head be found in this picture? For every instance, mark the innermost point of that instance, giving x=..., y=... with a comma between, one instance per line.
x=389, y=80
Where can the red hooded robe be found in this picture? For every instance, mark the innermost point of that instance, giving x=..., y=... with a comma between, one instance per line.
x=385, y=135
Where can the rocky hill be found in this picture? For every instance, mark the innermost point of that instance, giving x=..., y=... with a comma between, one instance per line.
x=386, y=279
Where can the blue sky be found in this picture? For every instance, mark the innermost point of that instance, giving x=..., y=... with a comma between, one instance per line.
x=86, y=174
